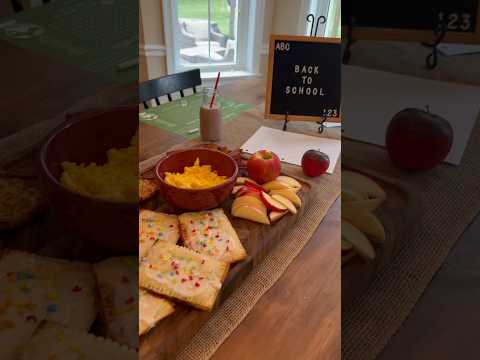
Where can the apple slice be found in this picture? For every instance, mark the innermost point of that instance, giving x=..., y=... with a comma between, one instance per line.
x=271, y=203
x=247, y=190
x=251, y=213
x=291, y=182
x=346, y=245
x=249, y=201
x=274, y=185
x=288, y=204
x=290, y=195
x=358, y=240
x=370, y=204
x=275, y=215
x=351, y=195
x=236, y=189
x=241, y=180
x=253, y=185
x=369, y=189
x=349, y=255
x=365, y=221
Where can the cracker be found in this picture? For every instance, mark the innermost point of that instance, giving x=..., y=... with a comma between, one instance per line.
x=155, y=226
x=147, y=188
x=211, y=233
x=117, y=281
x=180, y=273
x=19, y=201
x=35, y=288
x=152, y=309
x=54, y=341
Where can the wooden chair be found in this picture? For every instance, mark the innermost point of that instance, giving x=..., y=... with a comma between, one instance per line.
x=17, y=5
x=167, y=85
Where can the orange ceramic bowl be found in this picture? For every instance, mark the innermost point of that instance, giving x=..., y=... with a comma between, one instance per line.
x=202, y=199
x=84, y=138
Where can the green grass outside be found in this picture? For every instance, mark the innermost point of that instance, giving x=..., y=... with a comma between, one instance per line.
x=198, y=9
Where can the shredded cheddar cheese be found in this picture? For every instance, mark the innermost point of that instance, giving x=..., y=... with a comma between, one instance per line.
x=195, y=177
x=116, y=180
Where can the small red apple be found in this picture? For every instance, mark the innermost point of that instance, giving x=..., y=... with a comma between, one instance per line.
x=315, y=163
x=418, y=140
x=263, y=166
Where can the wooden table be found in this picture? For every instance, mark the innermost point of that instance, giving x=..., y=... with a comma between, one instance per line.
x=299, y=317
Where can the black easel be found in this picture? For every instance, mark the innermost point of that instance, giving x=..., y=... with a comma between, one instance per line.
x=440, y=31
x=310, y=18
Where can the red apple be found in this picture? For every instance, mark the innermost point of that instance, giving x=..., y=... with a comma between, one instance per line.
x=418, y=140
x=263, y=166
x=315, y=163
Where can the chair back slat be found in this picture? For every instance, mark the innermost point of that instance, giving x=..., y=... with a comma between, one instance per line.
x=167, y=85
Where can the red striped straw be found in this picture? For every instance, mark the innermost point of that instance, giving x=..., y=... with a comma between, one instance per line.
x=215, y=90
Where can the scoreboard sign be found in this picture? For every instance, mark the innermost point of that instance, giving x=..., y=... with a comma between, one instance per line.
x=303, y=78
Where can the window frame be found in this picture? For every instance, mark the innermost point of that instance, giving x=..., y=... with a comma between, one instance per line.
x=318, y=8
x=248, y=47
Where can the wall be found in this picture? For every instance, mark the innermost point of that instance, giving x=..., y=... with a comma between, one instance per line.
x=152, y=60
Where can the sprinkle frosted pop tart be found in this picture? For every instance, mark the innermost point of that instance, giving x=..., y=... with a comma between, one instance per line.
x=211, y=233
x=117, y=282
x=183, y=274
x=54, y=341
x=155, y=226
x=151, y=310
x=35, y=288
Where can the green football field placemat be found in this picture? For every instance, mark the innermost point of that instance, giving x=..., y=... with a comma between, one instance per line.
x=182, y=116
x=94, y=35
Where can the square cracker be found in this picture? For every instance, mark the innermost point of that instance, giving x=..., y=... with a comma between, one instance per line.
x=152, y=309
x=211, y=233
x=147, y=188
x=183, y=274
x=53, y=341
x=117, y=281
x=19, y=201
x=156, y=226
x=35, y=288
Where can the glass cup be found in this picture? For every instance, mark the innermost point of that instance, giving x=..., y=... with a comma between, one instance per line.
x=211, y=126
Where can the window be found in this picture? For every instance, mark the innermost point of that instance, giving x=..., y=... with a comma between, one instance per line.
x=213, y=35
x=331, y=9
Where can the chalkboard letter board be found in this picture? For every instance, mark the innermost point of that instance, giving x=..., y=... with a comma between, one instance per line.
x=303, y=78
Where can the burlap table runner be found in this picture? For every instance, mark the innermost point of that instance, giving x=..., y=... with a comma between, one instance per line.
x=324, y=192
x=450, y=194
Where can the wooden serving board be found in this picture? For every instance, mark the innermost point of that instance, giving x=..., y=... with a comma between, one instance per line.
x=173, y=333
x=397, y=214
